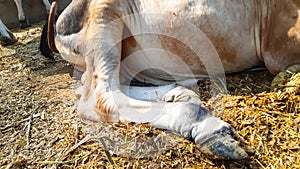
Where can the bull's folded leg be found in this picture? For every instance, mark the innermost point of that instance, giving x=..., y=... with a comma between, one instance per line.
x=282, y=77
x=192, y=120
x=179, y=110
x=212, y=136
x=183, y=112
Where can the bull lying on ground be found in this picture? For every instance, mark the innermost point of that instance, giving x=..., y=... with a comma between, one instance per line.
x=161, y=42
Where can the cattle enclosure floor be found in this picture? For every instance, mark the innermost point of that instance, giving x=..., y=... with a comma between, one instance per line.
x=39, y=127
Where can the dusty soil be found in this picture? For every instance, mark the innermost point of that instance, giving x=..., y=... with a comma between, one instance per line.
x=39, y=127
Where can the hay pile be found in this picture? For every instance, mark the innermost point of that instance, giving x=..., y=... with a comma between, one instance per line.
x=270, y=123
x=39, y=127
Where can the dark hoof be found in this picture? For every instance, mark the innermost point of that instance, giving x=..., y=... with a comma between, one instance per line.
x=24, y=24
x=223, y=147
x=7, y=41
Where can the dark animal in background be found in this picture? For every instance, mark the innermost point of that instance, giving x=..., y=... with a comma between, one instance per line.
x=6, y=37
x=24, y=23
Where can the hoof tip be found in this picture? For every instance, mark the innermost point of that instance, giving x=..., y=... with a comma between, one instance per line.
x=224, y=147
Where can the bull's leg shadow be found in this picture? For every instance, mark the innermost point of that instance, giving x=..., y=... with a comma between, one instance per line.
x=281, y=78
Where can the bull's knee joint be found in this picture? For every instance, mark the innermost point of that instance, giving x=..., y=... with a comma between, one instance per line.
x=181, y=94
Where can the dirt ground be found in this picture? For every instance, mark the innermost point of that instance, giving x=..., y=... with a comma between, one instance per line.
x=39, y=127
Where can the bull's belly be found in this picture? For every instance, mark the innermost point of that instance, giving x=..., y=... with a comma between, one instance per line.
x=160, y=67
x=183, y=39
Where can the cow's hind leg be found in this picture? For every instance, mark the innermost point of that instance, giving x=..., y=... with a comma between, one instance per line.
x=282, y=77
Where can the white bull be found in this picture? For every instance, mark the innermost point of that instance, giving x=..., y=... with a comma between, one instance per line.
x=160, y=42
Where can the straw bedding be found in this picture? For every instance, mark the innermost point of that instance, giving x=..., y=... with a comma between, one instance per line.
x=39, y=127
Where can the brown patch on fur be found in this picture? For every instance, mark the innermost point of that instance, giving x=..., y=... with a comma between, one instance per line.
x=103, y=106
x=105, y=11
x=132, y=41
x=168, y=12
x=95, y=77
x=87, y=88
x=294, y=32
x=129, y=43
x=181, y=50
x=227, y=53
x=128, y=46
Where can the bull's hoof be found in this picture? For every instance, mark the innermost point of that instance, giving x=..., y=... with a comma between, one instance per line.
x=5, y=41
x=281, y=78
x=223, y=147
x=24, y=24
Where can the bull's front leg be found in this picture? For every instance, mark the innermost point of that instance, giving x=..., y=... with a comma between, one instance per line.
x=188, y=116
x=177, y=108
